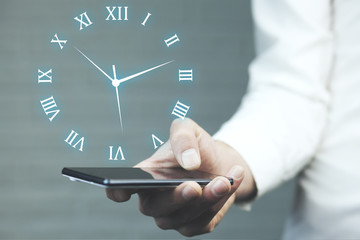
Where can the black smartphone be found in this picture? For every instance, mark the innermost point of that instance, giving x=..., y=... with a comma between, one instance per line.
x=137, y=177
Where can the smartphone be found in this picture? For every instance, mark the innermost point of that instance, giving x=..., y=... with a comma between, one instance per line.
x=137, y=177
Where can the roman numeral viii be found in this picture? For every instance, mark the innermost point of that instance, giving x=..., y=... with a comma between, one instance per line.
x=50, y=107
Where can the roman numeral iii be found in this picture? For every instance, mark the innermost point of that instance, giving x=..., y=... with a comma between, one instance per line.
x=185, y=75
x=50, y=107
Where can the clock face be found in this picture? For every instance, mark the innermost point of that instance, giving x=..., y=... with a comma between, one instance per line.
x=134, y=53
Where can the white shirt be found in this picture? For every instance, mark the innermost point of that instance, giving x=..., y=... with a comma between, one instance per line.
x=302, y=112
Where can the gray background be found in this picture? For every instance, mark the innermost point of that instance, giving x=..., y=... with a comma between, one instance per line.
x=36, y=201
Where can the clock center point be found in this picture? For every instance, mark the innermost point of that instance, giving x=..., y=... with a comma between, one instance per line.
x=116, y=82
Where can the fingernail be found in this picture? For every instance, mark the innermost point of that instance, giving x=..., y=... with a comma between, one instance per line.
x=188, y=193
x=236, y=173
x=190, y=159
x=219, y=188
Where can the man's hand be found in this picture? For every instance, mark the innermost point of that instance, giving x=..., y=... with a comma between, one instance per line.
x=188, y=208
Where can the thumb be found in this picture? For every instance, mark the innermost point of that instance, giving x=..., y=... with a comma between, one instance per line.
x=184, y=143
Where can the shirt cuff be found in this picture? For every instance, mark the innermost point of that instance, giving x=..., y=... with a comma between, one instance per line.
x=257, y=150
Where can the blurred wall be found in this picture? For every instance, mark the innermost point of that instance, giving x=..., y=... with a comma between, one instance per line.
x=36, y=201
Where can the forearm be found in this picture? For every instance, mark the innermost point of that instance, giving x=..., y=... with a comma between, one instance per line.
x=282, y=119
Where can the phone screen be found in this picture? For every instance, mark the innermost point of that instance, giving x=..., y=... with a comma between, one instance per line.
x=137, y=177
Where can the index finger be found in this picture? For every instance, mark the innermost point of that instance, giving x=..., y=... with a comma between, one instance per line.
x=184, y=143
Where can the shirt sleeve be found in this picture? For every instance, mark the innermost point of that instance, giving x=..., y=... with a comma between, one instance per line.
x=280, y=123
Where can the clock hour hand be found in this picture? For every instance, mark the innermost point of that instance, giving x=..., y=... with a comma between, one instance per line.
x=140, y=73
x=102, y=71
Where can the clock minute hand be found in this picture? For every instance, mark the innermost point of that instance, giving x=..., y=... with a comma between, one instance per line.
x=143, y=72
x=102, y=71
x=117, y=98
